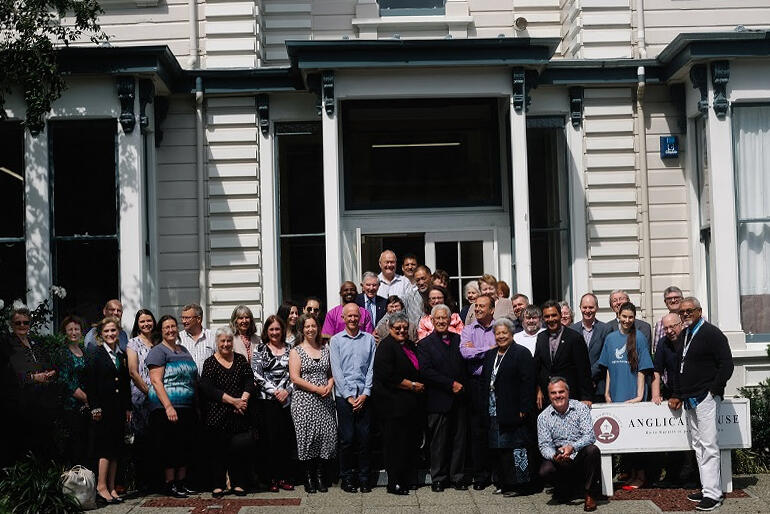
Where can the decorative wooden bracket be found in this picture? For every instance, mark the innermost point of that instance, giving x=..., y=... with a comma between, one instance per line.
x=720, y=75
x=126, y=94
x=327, y=91
x=146, y=93
x=576, y=105
x=698, y=79
x=263, y=114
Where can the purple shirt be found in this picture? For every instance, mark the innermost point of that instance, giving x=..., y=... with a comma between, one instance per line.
x=334, y=324
x=483, y=338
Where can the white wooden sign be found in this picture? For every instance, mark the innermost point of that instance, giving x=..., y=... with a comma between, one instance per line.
x=646, y=427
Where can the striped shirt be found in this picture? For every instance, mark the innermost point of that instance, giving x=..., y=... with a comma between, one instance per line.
x=201, y=349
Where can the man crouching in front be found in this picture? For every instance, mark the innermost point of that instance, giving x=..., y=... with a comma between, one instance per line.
x=565, y=436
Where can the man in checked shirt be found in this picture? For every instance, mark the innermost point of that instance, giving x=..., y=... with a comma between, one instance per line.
x=565, y=436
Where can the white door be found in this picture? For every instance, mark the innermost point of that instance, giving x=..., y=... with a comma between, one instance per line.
x=465, y=255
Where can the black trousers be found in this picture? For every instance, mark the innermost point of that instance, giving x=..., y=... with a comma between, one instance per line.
x=479, y=444
x=230, y=453
x=448, y=438
x=278, y=442
x=400, y=438
x=585, y=468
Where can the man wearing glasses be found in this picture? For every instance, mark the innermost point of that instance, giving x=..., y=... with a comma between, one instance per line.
x=194, y=337
x=705, y=366
x=672, y=297
x=312, y=306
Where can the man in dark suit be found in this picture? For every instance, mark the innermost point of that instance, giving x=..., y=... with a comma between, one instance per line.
x=618, y=298
x=368, y=299
x=560, y=351
x=444, y=371
x=593, y=332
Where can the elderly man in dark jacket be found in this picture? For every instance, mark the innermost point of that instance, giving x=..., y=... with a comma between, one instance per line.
x=444, y=370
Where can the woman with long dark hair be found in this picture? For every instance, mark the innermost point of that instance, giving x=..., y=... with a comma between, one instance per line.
x=626, y=357
x=289, y=313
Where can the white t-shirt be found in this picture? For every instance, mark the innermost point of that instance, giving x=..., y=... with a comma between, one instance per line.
x=526, y=340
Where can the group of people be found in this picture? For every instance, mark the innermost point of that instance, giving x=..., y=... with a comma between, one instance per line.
x=498, y=392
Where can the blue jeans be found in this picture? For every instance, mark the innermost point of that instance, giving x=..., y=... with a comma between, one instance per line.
x=353, y=432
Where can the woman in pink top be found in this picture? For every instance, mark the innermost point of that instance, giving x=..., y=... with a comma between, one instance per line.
x=437, y=295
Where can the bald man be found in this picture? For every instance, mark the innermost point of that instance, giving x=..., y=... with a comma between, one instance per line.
x=114, y=309
x=392, y=283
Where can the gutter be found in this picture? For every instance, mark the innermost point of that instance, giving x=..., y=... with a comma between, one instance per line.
x=200, y=168
x=193, y=60
x=644, y=207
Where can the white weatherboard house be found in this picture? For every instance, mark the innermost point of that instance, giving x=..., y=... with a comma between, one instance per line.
x=229, y=152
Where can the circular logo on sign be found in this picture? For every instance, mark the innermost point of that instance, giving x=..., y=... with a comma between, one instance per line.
x=606, y=429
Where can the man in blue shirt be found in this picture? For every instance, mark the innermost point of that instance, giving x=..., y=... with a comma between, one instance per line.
x=352, y=359
x=566, y=439
x=113, y=308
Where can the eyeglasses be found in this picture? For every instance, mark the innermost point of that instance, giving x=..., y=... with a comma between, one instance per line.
x=400, y=329
x=312, y=309
x=189, y=318
x=673, y=299
x=672, y=327
x=21, y=323
x=687, y=312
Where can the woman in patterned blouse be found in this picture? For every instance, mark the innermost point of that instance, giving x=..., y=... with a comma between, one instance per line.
x=71, y=375
x=270, y=363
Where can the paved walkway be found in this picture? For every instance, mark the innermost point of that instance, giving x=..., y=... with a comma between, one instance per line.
x=755, y=500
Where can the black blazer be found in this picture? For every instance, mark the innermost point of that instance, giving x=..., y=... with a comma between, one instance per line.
x=391, y=366
x=107, y=387
x=440, y=366
x=514, y=386
x=571, y=362
x=598, y=374
x=380, y=304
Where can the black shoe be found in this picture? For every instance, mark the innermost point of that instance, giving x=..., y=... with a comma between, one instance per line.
x=237, y=492
x=695, y=497
x=186, y=489
x=708, y=504
x=320, y=482
x=365, y=488
x=397, y=491
x=310, y=484
x=459, y=486
x=101, y=500
x=218, y=494
x=480, y=486
x=414, y=487
x=173, y=491
x=437, y=487
x=118, y=499
x=349, y=487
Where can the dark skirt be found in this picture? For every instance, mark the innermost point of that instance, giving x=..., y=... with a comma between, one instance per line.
x=510, y=446
x=109, y=435
x=173, y=442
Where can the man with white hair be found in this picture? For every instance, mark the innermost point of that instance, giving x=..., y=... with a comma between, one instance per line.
x=617, y=298
x=391, y=283
x=369, y=299
x=705, y=366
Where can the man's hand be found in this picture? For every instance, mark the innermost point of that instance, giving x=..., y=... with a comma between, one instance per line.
x=587, y=403
x=539, y=399
x=358, y=403
x=468, y=344
x=674, y=403
x=456, y=387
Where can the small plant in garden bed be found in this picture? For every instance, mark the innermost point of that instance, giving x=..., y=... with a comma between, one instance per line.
x=32, y=486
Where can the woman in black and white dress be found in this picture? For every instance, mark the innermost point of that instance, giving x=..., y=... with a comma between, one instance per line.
x=312, y=407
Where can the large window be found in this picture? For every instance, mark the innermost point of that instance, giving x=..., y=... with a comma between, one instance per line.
x=421, y=153
x=704, y=204
x=84, y=214
x=301, y=208
x=752, y=179
x=12, y=249
x=411, y=7
x=549, y=210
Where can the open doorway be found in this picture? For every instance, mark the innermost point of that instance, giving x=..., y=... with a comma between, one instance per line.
x=372, y=245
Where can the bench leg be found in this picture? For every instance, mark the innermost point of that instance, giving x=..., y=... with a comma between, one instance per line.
x=607, y=475
x=726, y=470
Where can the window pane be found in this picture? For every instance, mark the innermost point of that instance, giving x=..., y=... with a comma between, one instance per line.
x=303, y=267
x=446, y=257
x=301, y=184
x=421, y=154
x=12, y=179
x=89, y=271
x=472, y=258
x=372, y=245
x=84, y=189
x=752, y=169
x=704, y=205
x=13, y=263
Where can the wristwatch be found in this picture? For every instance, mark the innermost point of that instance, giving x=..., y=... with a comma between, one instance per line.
x=412, y=386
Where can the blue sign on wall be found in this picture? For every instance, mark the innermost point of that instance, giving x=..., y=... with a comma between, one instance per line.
x=669, y=147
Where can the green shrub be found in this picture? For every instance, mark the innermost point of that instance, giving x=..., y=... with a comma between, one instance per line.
x=32, y=486
x=757, y=458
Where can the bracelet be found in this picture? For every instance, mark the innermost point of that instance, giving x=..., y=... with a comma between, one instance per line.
x=412, y=386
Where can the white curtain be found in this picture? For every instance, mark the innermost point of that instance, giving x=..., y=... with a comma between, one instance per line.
x=752, y=169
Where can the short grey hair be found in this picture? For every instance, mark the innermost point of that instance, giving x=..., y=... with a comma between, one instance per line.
x=617, y=291
x=194, y=307
x=532, y=311
x=369, y=274
x=692, y=300
x=471, y=285
x=224, y=331
x=504, y=322
x=397, y=317
x=563, y=304
x=557, y=379
x=439, y=307
x=672, y=289
x=19, y=311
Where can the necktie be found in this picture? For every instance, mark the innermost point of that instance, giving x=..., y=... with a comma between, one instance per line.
x=370, y=308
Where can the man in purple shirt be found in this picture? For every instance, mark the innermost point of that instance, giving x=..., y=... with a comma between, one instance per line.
x=476, y=339
x=334, y=324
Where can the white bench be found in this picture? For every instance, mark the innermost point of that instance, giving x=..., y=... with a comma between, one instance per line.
x=646, y=427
